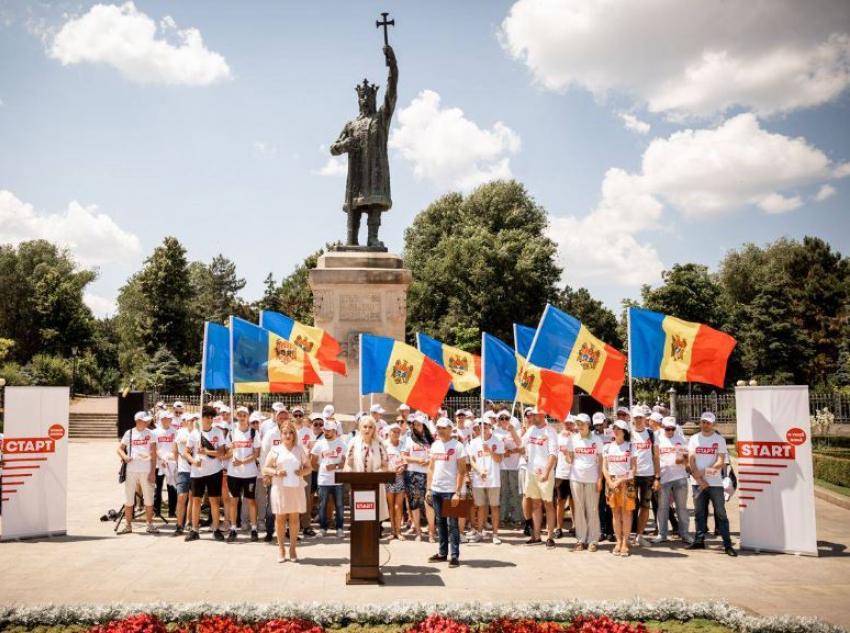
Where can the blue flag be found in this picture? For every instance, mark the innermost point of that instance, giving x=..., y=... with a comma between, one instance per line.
x=523, y=336
x=215, y=364
x=500, y=369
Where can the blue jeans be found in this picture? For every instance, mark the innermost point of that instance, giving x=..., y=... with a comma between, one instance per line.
x=324, y=493
x=714, y=494
x=447, y=527
x=679, y=489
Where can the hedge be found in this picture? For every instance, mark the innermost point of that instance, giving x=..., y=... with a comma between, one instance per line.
x=840, y=453
x=842, y=441
x=835, y=470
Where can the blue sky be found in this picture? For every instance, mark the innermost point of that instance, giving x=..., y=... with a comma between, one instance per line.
x=209, y=121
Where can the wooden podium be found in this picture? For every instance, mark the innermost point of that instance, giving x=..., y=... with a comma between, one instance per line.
x=365, y=525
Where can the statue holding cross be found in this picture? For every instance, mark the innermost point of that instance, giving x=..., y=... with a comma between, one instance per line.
x=367, y=188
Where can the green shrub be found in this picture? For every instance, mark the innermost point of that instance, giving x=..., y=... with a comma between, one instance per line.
x=832, y=442
x=48, y=371
x=840, y=453
x=14, y=375
x=835, y=470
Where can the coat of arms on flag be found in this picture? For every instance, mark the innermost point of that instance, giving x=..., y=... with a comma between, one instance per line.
x=402, y=372
x=588, y=356
x=527, y=380
x=284, y=351
x=678, y=345
x=304, y=343
x=458, y=365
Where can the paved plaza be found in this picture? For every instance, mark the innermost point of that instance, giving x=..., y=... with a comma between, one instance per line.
x=93, y=565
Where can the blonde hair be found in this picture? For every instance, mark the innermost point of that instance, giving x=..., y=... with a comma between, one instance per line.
x=366, y=419
x=288, y=425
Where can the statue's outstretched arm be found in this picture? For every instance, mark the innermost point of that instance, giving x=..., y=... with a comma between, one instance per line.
x=392, y=83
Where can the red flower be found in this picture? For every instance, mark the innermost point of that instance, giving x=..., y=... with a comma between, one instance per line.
x=135, y=624
x=289, y=626
x=438, y=624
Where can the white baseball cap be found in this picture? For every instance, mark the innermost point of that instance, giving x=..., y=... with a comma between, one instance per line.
x=242, y=410
x=620, y=424
x=298, y=408
x=393, y=427
x=329, y=425
x=164, y=414
x=218, y=404
x=468, y=424
x=708, y=416
x=328, y=411
x=462, y=412
x=141, y=415
x=319, y=416
x=623, y=410
x=531, y=411
x=599, y=417
x=419, y=417
x=403, y=407
x=638, y=411
x=376, y=408
x=224, y=409
x=444, y=423
x=487, y=420
x=255, y=417
x=656, y=417
x=669, y=422
x=178, y=405
x=584, y=418
x=503, y=412
x=278, y=406
x=490, y=415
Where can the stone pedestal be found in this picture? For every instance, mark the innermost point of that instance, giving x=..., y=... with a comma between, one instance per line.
x=357, y=292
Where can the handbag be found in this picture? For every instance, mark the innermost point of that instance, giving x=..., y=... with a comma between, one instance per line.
x=460, y=511
x=122, y=472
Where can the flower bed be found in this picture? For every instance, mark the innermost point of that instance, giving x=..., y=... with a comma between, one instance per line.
x=571, y=616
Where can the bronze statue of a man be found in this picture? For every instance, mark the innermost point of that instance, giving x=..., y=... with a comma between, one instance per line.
x=367, y=189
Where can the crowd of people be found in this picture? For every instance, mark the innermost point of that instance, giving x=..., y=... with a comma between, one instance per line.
x=244, y=468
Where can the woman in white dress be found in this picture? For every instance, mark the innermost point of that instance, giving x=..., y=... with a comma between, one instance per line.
x=287, y=464
x=366, y=454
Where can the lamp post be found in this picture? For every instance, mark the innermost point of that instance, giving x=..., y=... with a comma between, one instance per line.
x=73, y=369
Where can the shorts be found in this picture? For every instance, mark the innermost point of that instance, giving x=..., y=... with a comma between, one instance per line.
x=522, y=476
x=622, y=497
x=535, y=489
x=486, y=496
x=211, y=484
x=644, y=484
x=242, y=487
x=141, y=480
x=183, y=483
x=562, y=487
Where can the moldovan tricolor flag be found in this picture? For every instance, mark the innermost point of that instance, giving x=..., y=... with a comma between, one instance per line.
x=402, y=371
x=523, y=338
x=668, y=348
x=464, y=367
x=215, y=362
x=313, y=340
x=263, y=362
x=564, y=345
x=508, y=376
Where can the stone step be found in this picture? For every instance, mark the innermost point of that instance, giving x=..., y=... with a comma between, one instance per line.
x=93, y=426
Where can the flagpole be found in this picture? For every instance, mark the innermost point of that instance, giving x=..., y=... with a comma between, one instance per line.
x=530, y=351
x=360, y=371
x=483, y=373
x=203, y=366
x=629, y=342
x=231, y=368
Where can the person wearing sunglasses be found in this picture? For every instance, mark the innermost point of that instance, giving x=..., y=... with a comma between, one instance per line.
x=672, y=452
x=307, y=439
x=619, y=466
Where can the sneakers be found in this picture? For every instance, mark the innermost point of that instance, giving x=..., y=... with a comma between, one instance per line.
x=432, y=539
x=177, y=532
x=731, y=552
x=550, y=543
x=591, y=547
x=308, y=531
x=231, y=538
x=696, y=545
x=559, y=533
x=640, y=541
x=127, y=529
x=436, y=558
x=254, y=536
x=496, y=540
x=454, y=563
x=533, y=541
x=151, y=529
x=578, y=547
x=659, y=539
x=475, y=537
x=269, y=537
x=218, y=535
x=688, y=539
x=340, y=533
x=527, y=529
x=192, y=535
x=323, y=532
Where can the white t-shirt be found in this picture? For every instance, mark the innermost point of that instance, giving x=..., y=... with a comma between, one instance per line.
x=177, y=422
x=668, y=450
x=181, y=439
x=619, y=458
x=483, y=451
x=270, y=440
x=417, y=451
x=209, y=465
x=510, y=462
x=586, y=454
x=143, y=450
x=165, y=447
x=540, y=444
x=706, y=450
x=642, y=450
x=445, y=456
x=394, y=454
x=328, y=452
x=267, y=425
x=243, y=448
x=562, y=467
x=306, y=438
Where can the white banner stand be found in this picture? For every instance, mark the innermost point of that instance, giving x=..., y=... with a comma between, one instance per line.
x=775, y=473
x=35, y=450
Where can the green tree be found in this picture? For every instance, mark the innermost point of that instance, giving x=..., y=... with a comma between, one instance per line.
x=166, y=375
x=41, y=302
x=168, y=297
x=216, y=288
x=271, y=295
x=132, y=322
x=592, y=313
x=48, y=371
x=295, y=299
x=479, y=263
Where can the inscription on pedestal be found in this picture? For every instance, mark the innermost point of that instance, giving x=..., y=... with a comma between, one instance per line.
x=397, y=305
x=360, y=307
x=323, y=304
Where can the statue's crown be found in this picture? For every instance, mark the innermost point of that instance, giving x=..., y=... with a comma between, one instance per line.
x=370, y=90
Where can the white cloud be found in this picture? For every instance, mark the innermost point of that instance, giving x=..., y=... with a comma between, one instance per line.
x=687, y=57
x=1, y=103
x=700, y=174
x=128, y=40
x=634, y=124
x=100, y=306
x=824, y=193
x=93, y=238
x=336, y=166
x=449, y=149
x=265, y=148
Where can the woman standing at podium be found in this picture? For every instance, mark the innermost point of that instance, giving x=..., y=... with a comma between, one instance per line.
x=287, y=464
x=366, y=454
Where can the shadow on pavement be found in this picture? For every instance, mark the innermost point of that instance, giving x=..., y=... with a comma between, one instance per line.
x=412, y=576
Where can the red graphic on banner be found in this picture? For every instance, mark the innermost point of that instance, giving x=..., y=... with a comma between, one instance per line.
x=766, y=450
x=17, y=445
x=796, y=436
x=56, y=432
x=364, y=505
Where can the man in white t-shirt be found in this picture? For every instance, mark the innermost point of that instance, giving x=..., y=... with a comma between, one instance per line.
x=562, y=476
x=648, y=475
x=242, y=471
x=510, y=501
x=183, y=472
x=270, y=439
x=166, y=466
x=279, y=416
x=541, y=452
x=486, y=453
x=307, y=439
x=672, y=452
x=179, y=416
x=707, y=454
x=328, y=457
x=446, y=482
x=377, y=412
x=137, y=449
x=205, y=451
